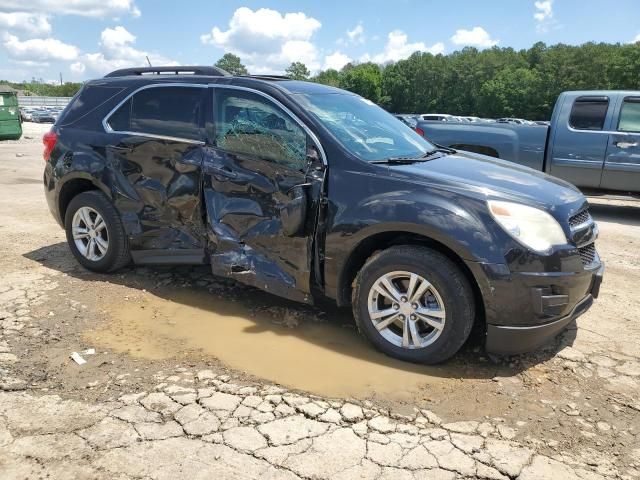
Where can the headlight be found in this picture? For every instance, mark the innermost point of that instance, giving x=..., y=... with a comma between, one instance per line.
x=530, y=226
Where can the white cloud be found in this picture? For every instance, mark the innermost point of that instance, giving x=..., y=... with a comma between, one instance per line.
x=267, y=40
x=85, y=8
x=35, y=24
x=356, y=36
x=544, y=16
x=78, y=67
x=117, y=51
x=476, y=37
x=397, y=48
x=38, y=49
x=544, y=10
x=336, y=60
x=116, y=38
x=636, y=39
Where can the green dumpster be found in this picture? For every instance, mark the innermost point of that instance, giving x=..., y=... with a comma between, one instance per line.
x=10, y=121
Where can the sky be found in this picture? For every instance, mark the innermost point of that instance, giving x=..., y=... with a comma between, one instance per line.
x=83, y=39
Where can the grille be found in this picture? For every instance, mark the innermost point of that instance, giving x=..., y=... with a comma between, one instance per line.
x=587, y=254
x=579, y=218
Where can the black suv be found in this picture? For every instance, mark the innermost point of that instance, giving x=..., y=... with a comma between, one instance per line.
x=309, y=191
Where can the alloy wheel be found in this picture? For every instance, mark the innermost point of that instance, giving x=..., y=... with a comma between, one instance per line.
x=406, y=309
x=90, y=234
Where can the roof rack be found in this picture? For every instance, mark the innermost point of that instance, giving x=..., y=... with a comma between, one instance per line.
x=175, y=70
x=268, y=77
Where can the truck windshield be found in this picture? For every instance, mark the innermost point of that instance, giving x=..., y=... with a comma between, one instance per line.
x=365, y=129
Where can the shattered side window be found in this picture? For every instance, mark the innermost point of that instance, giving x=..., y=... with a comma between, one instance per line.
x=249, y=124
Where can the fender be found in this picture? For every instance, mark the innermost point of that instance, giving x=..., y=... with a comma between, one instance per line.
x=458, y=222
x=75, y=170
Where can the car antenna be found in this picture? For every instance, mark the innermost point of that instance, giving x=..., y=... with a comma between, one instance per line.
x=147, y=57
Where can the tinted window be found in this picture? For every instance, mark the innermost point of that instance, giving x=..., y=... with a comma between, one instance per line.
x=247, y=123
x=120, y=120
x=167, y=111
x=630, y=115
x=85, y=101
x=589, y=113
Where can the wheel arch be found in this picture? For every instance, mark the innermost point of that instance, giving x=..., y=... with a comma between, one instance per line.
x=74, y=186
x=481, y=149
x=381, y=241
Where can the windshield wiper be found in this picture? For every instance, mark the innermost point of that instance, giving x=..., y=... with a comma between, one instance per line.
x=399, y=160
x=422, y=158
x=439, y=149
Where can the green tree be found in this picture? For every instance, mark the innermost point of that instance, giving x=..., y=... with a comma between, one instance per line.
x=329, y=77
x=364, y=79
x=232, y=64
x=298, y=71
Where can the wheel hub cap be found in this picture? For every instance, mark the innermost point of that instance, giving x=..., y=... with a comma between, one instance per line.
x=406, y=309
x=90, y=234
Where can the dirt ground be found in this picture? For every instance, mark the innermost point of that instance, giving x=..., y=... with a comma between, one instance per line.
x=199, y=376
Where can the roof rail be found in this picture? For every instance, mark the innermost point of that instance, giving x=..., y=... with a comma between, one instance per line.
x=176, y=70
x=268, y=77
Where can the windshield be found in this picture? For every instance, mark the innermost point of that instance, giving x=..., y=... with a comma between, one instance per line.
x=365, y=129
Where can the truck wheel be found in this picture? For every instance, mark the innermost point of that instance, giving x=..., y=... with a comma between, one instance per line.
x=95, y=233
x=414, y=304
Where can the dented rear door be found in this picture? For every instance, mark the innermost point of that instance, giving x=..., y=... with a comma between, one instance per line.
x=261, y=194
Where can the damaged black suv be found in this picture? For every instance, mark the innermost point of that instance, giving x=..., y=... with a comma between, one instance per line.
x=309, y=191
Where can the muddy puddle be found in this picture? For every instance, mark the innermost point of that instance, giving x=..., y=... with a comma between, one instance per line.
x=255, y=335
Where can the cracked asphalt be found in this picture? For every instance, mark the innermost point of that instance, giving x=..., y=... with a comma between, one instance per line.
x=160, y=405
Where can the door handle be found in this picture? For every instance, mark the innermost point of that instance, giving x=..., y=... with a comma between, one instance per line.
x=626, y=144
x=224, y=171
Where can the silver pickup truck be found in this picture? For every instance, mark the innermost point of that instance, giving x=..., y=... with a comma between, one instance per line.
x=593, y=140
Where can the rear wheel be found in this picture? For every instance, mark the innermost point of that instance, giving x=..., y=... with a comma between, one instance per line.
x=95, y=233
x=414, y=304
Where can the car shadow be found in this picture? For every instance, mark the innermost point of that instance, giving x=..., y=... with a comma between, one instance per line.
x=622, y=214
x=195, y=285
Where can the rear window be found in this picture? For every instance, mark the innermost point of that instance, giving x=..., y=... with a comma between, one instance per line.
x=630, y=115
x=589, y=113
x=86, y=100
x=165, y=111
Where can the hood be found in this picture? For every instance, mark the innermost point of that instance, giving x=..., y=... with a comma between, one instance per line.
x=488, y=177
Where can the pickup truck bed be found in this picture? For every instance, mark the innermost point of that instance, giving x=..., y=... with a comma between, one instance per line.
x=593, y=140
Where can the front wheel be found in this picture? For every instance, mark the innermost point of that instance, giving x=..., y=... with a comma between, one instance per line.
x=95, y=233
x=414, y=304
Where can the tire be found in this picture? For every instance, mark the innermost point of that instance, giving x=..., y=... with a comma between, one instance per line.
x=449, y=295
x=116, y=254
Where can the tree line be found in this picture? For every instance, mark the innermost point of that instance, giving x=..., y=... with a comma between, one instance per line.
x=496, y=82
x=40, y=88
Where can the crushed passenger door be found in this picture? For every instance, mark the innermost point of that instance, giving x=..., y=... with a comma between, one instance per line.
x=262, y=184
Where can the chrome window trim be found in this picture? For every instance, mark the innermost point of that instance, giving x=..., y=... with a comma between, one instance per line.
x=108, y=129
x=296, y=119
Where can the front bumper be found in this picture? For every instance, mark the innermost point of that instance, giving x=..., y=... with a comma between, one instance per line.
x=511, y=340
x=525, y=312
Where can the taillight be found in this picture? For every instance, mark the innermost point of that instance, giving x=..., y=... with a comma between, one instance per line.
x=49, y=140
x=419, y=131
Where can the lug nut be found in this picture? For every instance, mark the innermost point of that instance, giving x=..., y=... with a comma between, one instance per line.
x=414, y=306
x=412, y=317
x=403, y=299
x=396, y=306
x=401, y=317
